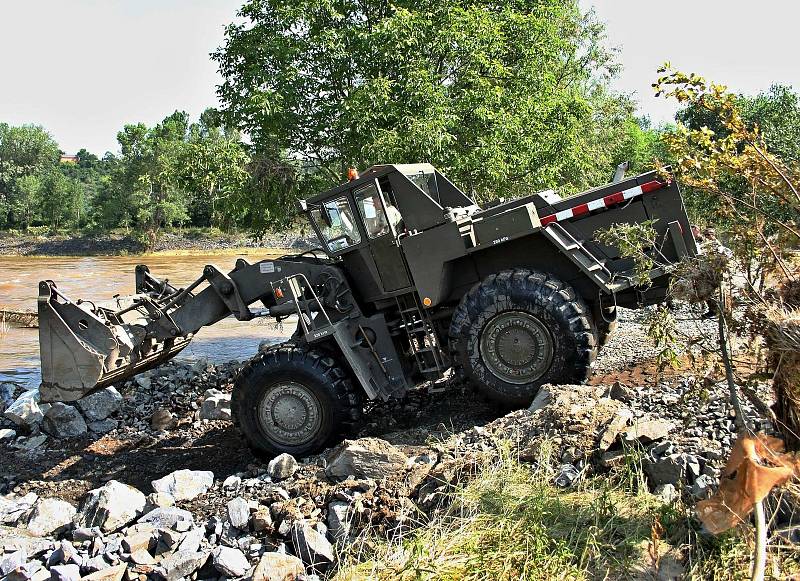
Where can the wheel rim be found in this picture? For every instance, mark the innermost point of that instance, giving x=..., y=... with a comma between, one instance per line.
x=290, y=413
x=516, y=347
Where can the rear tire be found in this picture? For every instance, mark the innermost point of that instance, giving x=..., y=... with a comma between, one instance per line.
x=518, y=330
x=293, y=399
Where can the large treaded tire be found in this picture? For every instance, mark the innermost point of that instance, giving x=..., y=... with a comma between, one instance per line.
x=537, y=296
x=313, y=372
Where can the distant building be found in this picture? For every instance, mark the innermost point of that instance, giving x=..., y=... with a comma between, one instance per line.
x=69, y=159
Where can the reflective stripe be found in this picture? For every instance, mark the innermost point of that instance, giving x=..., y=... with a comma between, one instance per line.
x=605, y=202
x=632, y=192
x=597, y=204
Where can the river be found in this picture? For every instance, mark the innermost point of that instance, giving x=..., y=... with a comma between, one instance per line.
x=102, y=277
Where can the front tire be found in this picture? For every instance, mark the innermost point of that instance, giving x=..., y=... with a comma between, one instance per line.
x=518, y=330
x=293, y=399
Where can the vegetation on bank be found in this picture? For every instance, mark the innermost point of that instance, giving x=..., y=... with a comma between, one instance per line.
x=512, y=522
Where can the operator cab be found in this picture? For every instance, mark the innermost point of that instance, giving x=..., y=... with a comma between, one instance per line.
x=361, y=221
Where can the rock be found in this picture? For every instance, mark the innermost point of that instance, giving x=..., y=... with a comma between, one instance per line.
x=614, y=428
x=312, y=547
x=102, y=426
x=278, y=567
x=17, y=539
x=567, y=476
x=162, y=419
x=281, y=467
x=701, y=488
x=7, y=390
x=30, y=444
x=667, y=493
x=338, y=520
x=25, y=411
x=191, y=540
x=668, y=470
x=63, y=421
x=15, y=510
x=365, y=458
x=230, y=562
x=114, y=573
x=181, y=564
x=138, y=541
x=262, y=519
x=542, y=399
x=216, y=406
x=184, y=484
x=648, y=430
x=7, y=434
x=10, y=562
x=169, y=518
x=64, y=554
x=159, y=500
x=50, y=516
x=238, y=513
x=231, y=483
x=94, y=564
x=110, y=507
x=100, y=404
x=65, y=573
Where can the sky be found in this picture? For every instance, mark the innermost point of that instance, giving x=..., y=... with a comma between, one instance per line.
x=745, y=45
x=84, y=68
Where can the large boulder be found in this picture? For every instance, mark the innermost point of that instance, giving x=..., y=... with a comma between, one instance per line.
x=101, y=404
x=7, y=391
x=278, y=567
x=184, y=484
x=365, y=458
x=312, y=547
x=238, y=513
x=230, y=562
x=17, y=509
x=169, y=518
x=25, y=411
x=50, y=516
x=181, y=564
x=216, y=405
x=110, y=507
x=282, y=467
x=63, y=421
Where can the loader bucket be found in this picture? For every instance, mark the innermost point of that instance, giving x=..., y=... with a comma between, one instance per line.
x=84, y=347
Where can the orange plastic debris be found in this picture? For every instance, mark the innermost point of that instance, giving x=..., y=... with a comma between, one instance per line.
x=756, y=465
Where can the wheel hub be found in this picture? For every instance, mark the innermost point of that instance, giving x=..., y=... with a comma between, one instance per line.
x=516, y=347
x=290, y=413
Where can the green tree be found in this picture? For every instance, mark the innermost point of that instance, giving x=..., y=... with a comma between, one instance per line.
x=501, y=97
x=24, y=150
x=25, y=199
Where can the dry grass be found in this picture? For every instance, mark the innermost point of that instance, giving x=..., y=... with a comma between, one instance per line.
x=512, y=523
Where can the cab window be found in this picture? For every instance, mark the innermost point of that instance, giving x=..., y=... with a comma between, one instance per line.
x=337, y=224
x=376, y=217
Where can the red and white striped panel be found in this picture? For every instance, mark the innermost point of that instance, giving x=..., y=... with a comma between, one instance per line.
x=605, y=202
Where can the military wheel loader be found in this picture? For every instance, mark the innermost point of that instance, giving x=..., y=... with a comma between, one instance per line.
x=412, y=279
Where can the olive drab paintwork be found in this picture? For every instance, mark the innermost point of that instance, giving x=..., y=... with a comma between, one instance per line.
x=400, y=246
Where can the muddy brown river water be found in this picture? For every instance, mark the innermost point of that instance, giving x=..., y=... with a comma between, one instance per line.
x=102, y=277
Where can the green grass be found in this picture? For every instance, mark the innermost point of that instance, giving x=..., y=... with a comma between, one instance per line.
x=511, y=522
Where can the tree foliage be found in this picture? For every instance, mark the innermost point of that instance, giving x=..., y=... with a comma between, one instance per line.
x=503, y=98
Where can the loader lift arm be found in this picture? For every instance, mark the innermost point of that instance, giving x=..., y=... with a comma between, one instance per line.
x=86, y=346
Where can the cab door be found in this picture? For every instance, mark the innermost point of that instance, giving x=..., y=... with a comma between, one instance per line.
x=381, y=223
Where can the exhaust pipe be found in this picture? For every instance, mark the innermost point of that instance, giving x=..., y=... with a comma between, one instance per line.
x=84, y=347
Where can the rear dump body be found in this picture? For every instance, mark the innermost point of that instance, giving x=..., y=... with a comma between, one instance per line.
x=382, y=299
x=550, y=234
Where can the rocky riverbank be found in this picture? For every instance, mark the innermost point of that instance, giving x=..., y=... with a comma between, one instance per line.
x=121, y=244
x=150, y=480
